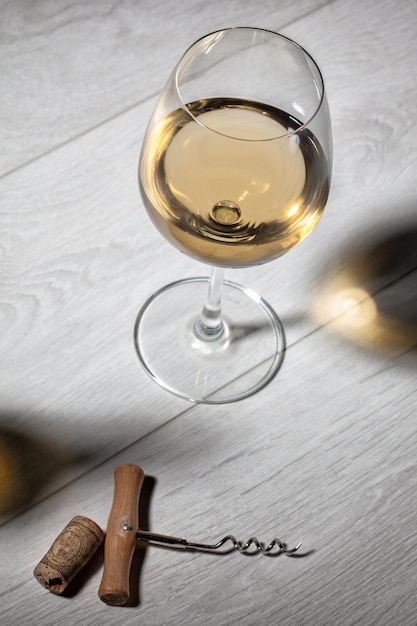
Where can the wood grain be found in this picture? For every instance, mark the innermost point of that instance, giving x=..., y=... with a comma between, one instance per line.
x=69, y=68
x=121, y=531
x=326, y=452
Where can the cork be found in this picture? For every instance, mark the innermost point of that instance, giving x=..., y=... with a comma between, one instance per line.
x=68, y=554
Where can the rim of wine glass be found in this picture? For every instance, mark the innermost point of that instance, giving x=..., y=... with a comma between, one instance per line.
x=262, y=30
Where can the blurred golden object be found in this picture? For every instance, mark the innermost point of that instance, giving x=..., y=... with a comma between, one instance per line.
x=9, y=482
x=355, y=305
x=371, y=296
x=26, y=466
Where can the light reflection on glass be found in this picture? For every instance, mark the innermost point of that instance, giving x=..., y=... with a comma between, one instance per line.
x=293, y=210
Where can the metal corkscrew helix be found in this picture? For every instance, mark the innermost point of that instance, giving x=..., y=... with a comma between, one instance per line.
x=275, y=547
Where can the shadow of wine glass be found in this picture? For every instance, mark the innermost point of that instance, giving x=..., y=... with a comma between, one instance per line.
x=371, y=295
x=239, y=331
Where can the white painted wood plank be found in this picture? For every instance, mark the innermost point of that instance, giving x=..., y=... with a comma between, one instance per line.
x=67, y=67
x=325, y=453
x=79, y=262
x=333, y=466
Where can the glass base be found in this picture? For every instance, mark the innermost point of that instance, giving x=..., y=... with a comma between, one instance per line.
x=238, y=364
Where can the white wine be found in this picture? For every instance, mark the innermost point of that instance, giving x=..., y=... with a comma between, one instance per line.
x=231, y=182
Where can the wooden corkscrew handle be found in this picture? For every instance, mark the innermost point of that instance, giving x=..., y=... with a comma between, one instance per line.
x=121, y=535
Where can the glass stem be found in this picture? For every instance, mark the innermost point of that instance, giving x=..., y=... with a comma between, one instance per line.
x=209, y=326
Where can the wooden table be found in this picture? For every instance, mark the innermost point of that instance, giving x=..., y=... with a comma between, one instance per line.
x=326, y=452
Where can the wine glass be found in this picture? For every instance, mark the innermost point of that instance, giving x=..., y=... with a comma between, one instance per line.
x=234, y=171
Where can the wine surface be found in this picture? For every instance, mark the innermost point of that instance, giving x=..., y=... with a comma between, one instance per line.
x=231, y=182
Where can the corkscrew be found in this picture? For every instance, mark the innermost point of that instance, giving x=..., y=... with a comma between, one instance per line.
x=123, y=534
x=80, y=539
x=275, y=547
